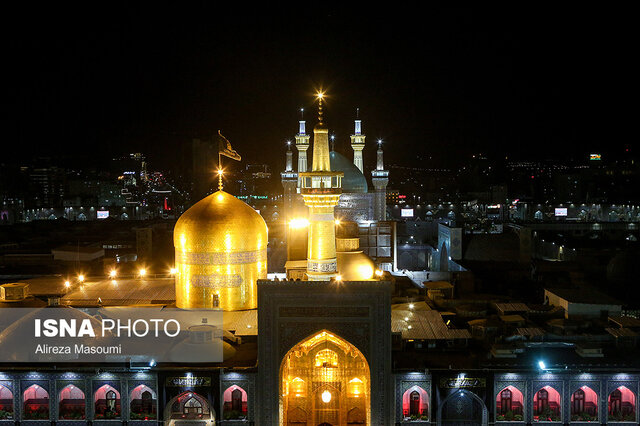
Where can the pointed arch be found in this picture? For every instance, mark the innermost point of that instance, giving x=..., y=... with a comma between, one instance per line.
x=509, y=402
x=188, y=405
x=143, y=403
x=36, y=403
x=106, y=401
x=547, y=405
x=478, y=410
x=415, y=402
x=622, y=405
x=71, y=403
x=584, y=404
x=6, y=402
x=317, y=381
x=234, y=403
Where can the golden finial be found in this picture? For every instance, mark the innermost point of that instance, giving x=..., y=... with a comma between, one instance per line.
x=220, y=173
x=320, y=96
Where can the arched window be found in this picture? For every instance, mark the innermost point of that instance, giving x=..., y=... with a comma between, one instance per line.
x=622, y=405
x=584, y=404
x=188, y=406
x=235, y=403
x=509, y=404
x=36, y=403
x=6, y=403
x=107, y=402
x=538, y=215
x=326, y=358
x=192, y=406
x=298, y=387
x=71, y=403
x=415, y=403
x=546, y=405
x=143, y=403
x=355, y=388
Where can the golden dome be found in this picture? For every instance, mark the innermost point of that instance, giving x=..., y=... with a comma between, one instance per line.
x=355, y=266
x=221, y=250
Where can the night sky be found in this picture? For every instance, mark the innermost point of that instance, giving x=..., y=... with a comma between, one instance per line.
x=536, y=81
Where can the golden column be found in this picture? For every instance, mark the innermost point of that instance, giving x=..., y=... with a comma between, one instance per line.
x=321, y=189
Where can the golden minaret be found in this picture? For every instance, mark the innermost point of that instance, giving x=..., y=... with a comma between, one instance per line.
x=321, y=189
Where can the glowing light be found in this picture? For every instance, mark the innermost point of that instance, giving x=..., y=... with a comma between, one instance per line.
x=299, y=223
x=113, y=273
x=410, y=305
x=379, y=273
x=142, y=272
x=541, y=365
x=320, y=95
x=365, y=271
x=326, y=397
x=67, y=284
x=173, y=271
x=81, y=278
x=337, y=221
x=338, y=277
x=220, y=172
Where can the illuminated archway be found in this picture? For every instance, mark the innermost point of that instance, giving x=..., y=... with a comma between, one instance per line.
x=546, y=405
x=584, y=404
x=235, y=403
x=415, y=402
x=36, y=403
x=71, y=403
x=6, y=403
x=325, y=379
x=143, y=403
x=509, y=403
x=107, y=403
x=188, y=407
x=622, y=405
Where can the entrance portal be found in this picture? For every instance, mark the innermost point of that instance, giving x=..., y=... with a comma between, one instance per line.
x=463, y=408
x=325, y=381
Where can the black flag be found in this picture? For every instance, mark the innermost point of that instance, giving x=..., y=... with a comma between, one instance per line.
x=224, y=148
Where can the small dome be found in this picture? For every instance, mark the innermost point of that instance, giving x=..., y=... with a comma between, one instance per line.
x=355, y=266
x=353, y=180
x=221, y=250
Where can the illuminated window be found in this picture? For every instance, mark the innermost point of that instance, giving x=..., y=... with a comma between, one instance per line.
x=622, y=405
x=188, y=406
x=326, y=358
x=71, y=403
x=107, y=403
x=143, y=403
x=355, y=388
x=235, y=403
x=36, y=403
x=298, y=387
x=6, y=403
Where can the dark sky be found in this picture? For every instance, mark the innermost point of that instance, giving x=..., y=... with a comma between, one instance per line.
x=535, y=80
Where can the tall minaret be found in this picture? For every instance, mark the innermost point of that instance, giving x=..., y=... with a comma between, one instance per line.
x=302, y=144
x=289, y=183
x=380, y=179
x=321, y=189
x=357, y=142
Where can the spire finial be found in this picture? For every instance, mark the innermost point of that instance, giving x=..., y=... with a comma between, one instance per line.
x=333, y=142
x=301, y=113
x=357, y=113
x=320, y=97
x=220, y=173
